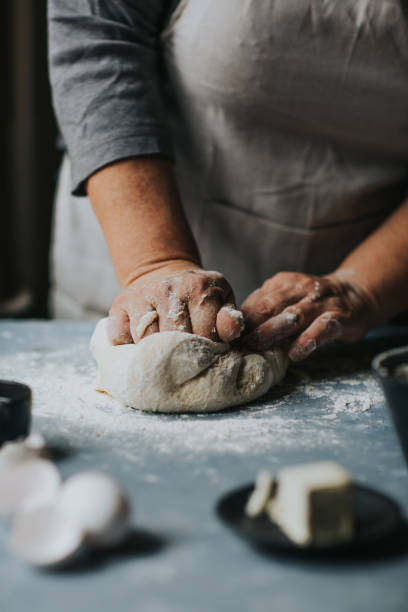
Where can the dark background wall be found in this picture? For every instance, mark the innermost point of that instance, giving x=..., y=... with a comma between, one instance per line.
x=30, y=159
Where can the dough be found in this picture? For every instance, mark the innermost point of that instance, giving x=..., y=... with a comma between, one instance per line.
x=180, y=372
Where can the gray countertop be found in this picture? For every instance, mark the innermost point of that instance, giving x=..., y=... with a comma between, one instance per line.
x=181, y=558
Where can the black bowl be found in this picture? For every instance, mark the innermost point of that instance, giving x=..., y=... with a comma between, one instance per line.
x=15, y=410
x=395, y=389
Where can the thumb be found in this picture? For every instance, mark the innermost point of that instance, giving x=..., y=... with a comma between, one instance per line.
x=230, y=323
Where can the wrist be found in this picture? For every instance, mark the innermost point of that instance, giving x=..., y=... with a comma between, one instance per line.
x=363, y=295
x=160, y=269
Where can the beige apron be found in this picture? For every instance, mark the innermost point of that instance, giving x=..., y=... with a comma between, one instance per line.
x=290, y=123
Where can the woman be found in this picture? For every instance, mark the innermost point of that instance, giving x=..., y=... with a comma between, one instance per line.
x=281, y=126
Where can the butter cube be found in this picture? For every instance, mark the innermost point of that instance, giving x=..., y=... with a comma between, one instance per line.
x=313, y=504
x=261, y=495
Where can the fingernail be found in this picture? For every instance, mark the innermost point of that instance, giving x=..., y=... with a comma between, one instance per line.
x=236, y=315
x=299, y=352
x=290, y=317
x=333, y=329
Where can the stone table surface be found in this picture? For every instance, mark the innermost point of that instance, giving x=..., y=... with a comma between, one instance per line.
x=180, y=557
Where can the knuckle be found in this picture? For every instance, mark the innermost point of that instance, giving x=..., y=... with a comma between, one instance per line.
x=317, y=289
x=280, y=278
x=165, y=288
x=332, y=326
x=216, y=275
x=304, y=283
x=268, y=284
x=315, y=295
x=253, y=299
x=217, y=283
x=201, y=283
x=293, y=314
x=198, y=280
x=327, y=316
x=263, y=306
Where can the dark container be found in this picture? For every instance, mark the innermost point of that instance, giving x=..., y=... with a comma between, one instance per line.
x=15, y=410
x=385, y=366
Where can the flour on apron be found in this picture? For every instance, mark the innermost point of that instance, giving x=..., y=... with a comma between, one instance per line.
x=290, y=125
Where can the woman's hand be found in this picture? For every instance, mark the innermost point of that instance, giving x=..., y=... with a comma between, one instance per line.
x=308, y=310
x=176, y=297
x=156, y=258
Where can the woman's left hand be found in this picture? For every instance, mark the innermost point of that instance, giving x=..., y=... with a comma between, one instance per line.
x=308, y=311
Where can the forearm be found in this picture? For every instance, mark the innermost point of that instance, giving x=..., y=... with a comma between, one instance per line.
x=379, y=265
x=138, y=207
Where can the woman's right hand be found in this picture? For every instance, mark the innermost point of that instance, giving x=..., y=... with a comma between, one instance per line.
x=176, y=297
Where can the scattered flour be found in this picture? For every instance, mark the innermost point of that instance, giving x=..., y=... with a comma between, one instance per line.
x=303, y=413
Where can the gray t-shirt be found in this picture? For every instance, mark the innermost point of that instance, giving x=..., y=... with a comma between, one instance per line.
x=105, y=71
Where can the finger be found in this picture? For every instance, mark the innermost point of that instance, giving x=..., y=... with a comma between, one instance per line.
x=173, y=314
x=272, y=331
x=203, y=313
x=293, y=320
x=326, y=327
x=153, y=328
x=220, y=285
x=146, y=324
x=119, y=328
x=261, y=306
x=143, y=322
x=229, y=323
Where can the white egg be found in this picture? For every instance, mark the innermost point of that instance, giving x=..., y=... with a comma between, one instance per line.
x=45, y=537
x=27, y=485
x=98, y=505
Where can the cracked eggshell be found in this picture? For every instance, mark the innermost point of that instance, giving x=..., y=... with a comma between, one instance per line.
x=98, y=505
x=21, y=450
x=27, y=485
x=45, y=537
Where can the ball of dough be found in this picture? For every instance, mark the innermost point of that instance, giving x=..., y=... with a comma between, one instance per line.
x=180, y=372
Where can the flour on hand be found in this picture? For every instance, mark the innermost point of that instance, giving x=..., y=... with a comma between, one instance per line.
x=145, y=321
x=179, y=372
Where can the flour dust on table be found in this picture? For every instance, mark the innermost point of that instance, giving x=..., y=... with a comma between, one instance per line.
x=179, y=372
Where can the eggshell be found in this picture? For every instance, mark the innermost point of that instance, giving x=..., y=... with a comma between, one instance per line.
x=98, y=505
x=27, y=485
x=45, y=537
x=20, y=450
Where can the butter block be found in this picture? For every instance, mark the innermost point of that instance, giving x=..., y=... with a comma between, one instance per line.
x=261, y=495
x=313, y=504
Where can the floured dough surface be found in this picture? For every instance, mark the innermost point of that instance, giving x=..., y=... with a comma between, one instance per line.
x=179, y=372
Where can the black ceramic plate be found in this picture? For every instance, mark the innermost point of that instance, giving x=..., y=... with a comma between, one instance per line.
x=377, y=517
